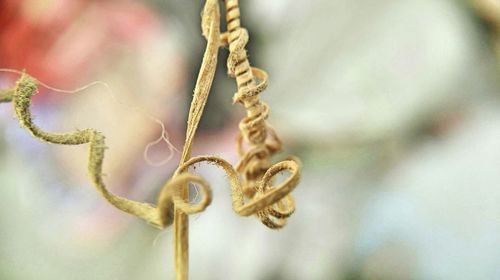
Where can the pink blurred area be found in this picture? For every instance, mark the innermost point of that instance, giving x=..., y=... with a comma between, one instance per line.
x=59, y=41
x=69, y=43
x=125, y=43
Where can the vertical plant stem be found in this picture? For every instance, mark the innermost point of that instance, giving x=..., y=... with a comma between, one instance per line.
x=181, y=244
x=181, y=228
x=211, y=30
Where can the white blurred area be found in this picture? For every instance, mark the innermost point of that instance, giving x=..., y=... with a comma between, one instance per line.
x=393, y=107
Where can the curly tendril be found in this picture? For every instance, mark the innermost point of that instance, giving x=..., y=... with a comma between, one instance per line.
x=170, y=196
x=255, y=132
x=252, y=180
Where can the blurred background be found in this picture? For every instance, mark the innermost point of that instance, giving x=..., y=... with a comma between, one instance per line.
x=393, y=107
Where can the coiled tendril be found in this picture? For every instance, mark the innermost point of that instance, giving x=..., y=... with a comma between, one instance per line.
x=263, y=199
x=170, y=195
x=259, y=136
x=257, y=194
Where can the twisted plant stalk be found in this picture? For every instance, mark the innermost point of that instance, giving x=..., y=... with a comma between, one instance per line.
x=255, y=195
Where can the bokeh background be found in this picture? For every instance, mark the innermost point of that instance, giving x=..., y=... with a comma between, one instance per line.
x=393, y=107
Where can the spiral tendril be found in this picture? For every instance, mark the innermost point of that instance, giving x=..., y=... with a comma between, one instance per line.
x=257, y=194
x=259, y=136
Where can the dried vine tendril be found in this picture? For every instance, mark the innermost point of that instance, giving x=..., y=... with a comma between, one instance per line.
x=255, y=195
